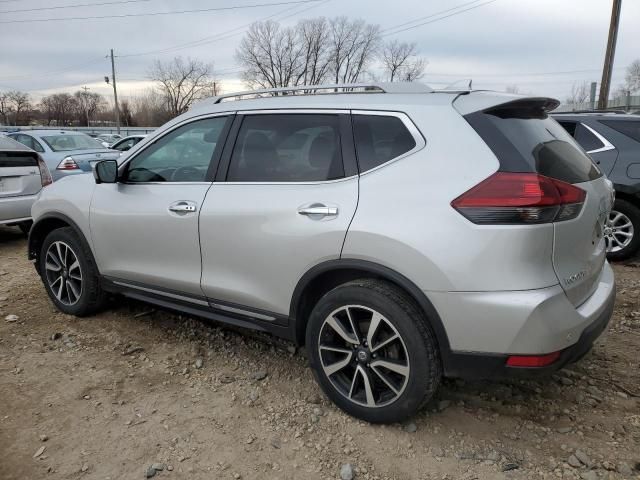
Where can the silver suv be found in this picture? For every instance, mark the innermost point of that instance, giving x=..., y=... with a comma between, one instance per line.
x=401, y=234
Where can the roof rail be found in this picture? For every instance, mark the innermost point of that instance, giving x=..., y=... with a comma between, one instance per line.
x=395, y=87
x=595, y=111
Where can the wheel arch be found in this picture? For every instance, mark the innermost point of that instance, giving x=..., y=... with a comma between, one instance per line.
x=45, y=225
x=328, y=275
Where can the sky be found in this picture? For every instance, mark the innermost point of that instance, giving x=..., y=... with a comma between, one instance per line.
x=541, y=46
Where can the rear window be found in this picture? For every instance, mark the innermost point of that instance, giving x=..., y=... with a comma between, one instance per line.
x=526, y=139
x=64, y=143
x=18, y=159
x=630, y=128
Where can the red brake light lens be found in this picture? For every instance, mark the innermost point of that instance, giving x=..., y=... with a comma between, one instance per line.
x=532, y=361
x=67, y=164
x=513, y=198
x=45, y=174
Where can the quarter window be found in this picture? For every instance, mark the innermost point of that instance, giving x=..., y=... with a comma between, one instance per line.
x=287, y=148
x=380, y=138
x=583, y=136
x=182, y=155
x=30, y=142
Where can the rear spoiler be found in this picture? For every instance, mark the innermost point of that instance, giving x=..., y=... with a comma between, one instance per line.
x=501, y=102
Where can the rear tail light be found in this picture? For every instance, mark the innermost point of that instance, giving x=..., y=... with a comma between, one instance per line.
x=520, y=198
x=45, y=174
x=532, y=361
x=67, y=163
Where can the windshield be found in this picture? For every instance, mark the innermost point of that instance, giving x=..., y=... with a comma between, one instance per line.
x=67, y=142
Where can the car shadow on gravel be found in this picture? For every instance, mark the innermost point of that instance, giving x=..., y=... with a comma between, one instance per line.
x=10, y=236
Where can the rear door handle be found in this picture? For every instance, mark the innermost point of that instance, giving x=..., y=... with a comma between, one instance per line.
x=319, y=210
x=183, y=206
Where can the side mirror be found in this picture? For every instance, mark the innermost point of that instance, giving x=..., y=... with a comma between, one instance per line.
x=105, y=171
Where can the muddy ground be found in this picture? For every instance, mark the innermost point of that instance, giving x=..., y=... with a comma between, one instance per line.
x=108, y=396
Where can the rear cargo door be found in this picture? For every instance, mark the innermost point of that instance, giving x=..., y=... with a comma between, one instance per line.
x=19, y=174
x=527, y=140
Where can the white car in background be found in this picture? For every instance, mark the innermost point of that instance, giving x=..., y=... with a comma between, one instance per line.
x=23, y=174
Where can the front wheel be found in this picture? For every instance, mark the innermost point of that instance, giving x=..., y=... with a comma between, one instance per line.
x=622, y=231
x=69, y=273
x=372, y=351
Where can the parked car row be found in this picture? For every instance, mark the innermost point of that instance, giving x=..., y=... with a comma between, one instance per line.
x=613, y=142
x=401, y=234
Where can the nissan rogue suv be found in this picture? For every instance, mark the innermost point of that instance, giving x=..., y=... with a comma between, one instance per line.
x=401, y=234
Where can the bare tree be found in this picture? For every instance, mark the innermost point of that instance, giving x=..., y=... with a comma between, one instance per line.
x=314, y=36
x=632, y=76
x=353, y=47
x=181, y=82
x=59, y=107
x=87, y=105
x=512, y=89
x=579, y=95
x=6, y=107
x=401, y=62
x=149, y=109
x=271, y=56
x=19, y=103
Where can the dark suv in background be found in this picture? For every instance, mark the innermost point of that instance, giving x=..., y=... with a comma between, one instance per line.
x=613, y=141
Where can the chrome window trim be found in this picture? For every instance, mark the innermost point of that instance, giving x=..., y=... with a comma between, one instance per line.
x=606, y=144
x=421, y=142
x=246, y=313
x=162, y=134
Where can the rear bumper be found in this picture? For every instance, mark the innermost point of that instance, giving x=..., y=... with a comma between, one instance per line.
x=539, y=325
x=16, y=209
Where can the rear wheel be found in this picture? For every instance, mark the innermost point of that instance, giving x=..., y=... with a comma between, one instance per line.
x=372, y=351
x=622, y=231
x=69, y=273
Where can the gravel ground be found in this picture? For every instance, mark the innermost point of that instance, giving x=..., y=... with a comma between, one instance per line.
x=134, y=392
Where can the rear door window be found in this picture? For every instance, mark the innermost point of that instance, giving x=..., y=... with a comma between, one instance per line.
x=630, y=128
x=287, y=148
x=380, y=138
x=583, y=135
x=526, y=139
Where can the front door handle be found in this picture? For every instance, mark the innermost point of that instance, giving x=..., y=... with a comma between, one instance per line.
x=183, y=207
x=319, y=210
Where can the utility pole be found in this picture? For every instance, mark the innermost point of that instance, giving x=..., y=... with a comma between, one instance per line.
x=592, y=96
x=115, y=92
x=605, y=85
x=86, y=104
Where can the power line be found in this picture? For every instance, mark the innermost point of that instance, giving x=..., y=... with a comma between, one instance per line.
x=53, y=72
x=219, y=36
x=440, y=18
x=429, y=16
x=152, y=14
x=75, y=5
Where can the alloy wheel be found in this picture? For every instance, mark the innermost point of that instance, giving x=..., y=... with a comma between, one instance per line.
x=618, y=231
x=63, y=273
x=364, y=356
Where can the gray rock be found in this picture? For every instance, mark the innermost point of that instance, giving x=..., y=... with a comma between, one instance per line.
x=84, y=467
x=583, y=457
x=259, y=375
x=566, y=381
x=346, y=472
x=574, y=462
x=443, y=405
x=276, y=443
x=590, y=475
x=226, y=379
x=151, y=472
x=56, y=336
x=507, y=467
x=564, y=429
x=12, y=318
x=198, y=363
x=292, y=349
x=624, y=469
x=158, y=466
x=437, y=452
x=410, y=427
x=43, y=438
x=39, y=452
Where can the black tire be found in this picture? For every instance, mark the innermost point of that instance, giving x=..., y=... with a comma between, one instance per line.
x=91, y=297
x=400, y=313
x=632, y=212
x=25, y=227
